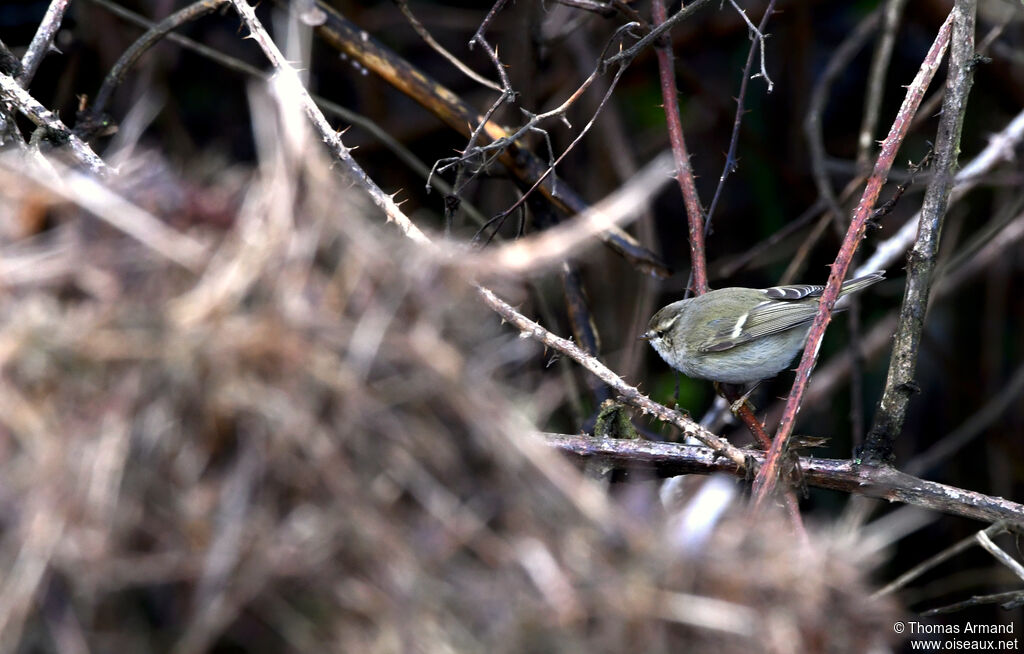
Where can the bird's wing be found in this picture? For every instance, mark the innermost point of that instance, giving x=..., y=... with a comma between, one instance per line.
x=781, y=311
x=769, y=317
x=795, y=292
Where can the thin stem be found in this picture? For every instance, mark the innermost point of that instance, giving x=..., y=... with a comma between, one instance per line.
x=876, y=80
x=730, y=157
x=684, y=171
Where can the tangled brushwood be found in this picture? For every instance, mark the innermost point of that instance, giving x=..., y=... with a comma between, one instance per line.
x=314, y=439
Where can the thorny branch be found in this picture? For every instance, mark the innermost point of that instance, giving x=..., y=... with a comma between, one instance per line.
x=730, y=156
x=882, y=482
x=42, y=42
x=629, y=394
x=293, y=85
x=684, y=171
x=57, y=131
x=764, y=485
x=899, y=386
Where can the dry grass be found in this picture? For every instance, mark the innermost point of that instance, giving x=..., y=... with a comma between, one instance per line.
x=319, y=441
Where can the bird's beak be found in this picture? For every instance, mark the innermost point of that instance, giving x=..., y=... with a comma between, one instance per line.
x=646, y=336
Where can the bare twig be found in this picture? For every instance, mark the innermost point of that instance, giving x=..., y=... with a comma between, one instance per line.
x=879, y=336
x=758, y=37
x=933, y=561
x=899, y=386
x=632, y=396
x=730, y=156
x=930, y=106
x=1009, y=600
x=531, y=126
x=684, y=171
x=12, y=92
x=141, y=45
x=651, y=38
x=764, y=484
x=876, y=79
x=403, y=6
x=552, y=245
x=293, y=85
x=882, y=482
x=458, y=115
x=42, y=42
x=1000, y=555
x=1000, y=148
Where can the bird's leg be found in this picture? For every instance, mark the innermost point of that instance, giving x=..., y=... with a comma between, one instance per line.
x=743, y=410
x=742, y=402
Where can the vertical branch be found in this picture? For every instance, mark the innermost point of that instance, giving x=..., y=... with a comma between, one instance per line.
x=899, y=385
x=684, y=172
x=730, y=156
x=767, y=478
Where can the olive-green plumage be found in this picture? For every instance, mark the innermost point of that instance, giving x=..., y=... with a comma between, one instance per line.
x=740, y=335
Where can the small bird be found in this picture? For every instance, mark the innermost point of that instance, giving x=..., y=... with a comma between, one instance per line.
x=741, y=335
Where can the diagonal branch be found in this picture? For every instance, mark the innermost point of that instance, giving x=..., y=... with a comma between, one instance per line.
x=11, y=91
x=764, y=484
x=630, y=394
x=287, y=75
x=343, y=35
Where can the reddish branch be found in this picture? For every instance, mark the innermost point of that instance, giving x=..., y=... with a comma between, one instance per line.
x=768, y=476
x=684, y=172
